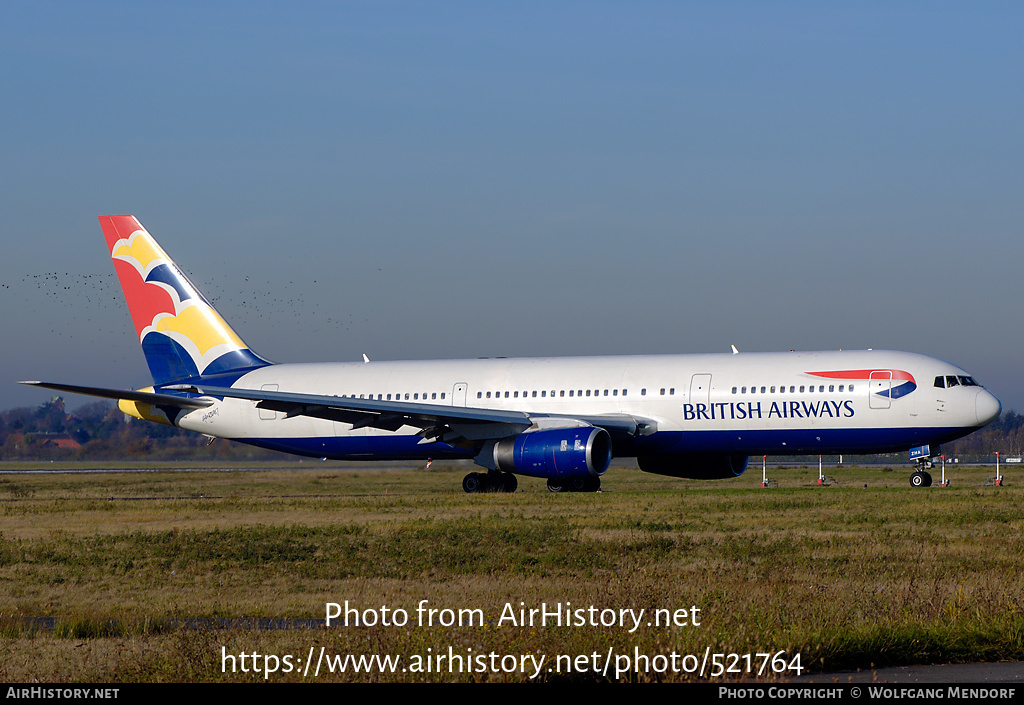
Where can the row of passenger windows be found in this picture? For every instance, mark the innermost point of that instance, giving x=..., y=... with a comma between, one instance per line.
x=941, y=382
x=398, y=396
x=670, y=391
x=560, y=393
x=792, y=389
x=955, y=381
x=416, y=396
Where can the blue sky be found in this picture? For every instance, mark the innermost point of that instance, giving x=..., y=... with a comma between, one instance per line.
x=430, y=180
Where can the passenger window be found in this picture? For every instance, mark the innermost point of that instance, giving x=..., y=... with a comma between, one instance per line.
x=734, y=390
x=773, y=390
x=606, y=392
x=615, y=392
x=672, y=390
x=643, y=391
x=792, y=389
x=442, y=395
x=831, y=387
x=533, y=394
x=744, y=390
x=840, y=387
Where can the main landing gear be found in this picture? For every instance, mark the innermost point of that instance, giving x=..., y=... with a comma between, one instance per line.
x=497, y=481
x=493, y=481
x=575, y=484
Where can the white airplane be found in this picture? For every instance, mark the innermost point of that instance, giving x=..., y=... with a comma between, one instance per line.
x=561, y=419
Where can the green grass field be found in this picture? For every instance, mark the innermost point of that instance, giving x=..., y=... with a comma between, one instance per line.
x=847, y=576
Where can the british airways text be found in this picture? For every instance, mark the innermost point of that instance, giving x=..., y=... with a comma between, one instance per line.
x=761, y=410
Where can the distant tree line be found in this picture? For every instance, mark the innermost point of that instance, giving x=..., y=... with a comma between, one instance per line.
x=99, y=431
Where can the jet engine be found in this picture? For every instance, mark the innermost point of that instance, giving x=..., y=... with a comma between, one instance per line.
x=556, y=454
x=693, y=466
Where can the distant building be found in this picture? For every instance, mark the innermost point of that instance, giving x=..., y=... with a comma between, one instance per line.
x=56, y=440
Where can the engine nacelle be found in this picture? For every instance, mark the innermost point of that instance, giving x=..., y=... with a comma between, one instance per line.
x=694, y=467
x=558, y=453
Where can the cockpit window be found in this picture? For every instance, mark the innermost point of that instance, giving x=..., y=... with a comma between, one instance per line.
x=955, y=381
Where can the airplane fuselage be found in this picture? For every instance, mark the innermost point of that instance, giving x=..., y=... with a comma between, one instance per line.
x=743, y=404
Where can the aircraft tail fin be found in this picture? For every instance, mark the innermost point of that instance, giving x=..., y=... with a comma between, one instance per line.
x=182, y=335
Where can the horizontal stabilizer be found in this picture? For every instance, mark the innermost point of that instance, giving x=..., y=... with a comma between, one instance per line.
x=130, y=395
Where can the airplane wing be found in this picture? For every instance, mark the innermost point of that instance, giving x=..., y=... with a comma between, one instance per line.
x=449, y=424
x=436, y=422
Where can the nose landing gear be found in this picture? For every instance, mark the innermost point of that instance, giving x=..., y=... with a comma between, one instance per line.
x=921, y=477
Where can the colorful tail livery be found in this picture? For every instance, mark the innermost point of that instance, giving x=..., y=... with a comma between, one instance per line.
x=559, y=419
x=182, y=336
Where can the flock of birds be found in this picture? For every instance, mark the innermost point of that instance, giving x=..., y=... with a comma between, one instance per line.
x=88, y=311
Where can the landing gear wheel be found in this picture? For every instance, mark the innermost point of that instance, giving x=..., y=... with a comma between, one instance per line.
x=920, y=479
x=498, y=481
x=511, y=484
x=556, y=486
x=473, y=482
x=579, y=484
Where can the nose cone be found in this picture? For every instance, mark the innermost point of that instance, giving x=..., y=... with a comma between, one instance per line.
x=987, y=407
